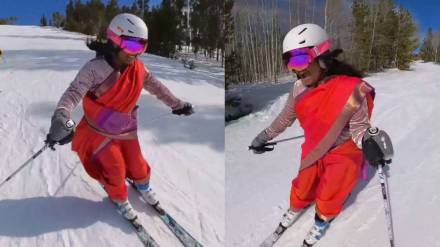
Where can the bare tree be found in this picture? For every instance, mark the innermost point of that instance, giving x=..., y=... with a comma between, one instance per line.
x=372, y=37
x=436, y=46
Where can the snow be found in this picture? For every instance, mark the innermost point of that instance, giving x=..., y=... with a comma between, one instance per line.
x=53, y=202
x=258, y=186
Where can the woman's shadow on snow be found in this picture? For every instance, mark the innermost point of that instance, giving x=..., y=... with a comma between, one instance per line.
x=362, y=184
x=39, y=215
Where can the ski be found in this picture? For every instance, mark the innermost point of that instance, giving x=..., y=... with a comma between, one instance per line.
x=275, y=235
x=273, y=238
x=143, y=235
x=305, y=244
x=184, y=237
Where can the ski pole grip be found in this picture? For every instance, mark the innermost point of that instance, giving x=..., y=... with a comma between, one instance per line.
x=264, y=148
x=377, y=147
x=270, y=144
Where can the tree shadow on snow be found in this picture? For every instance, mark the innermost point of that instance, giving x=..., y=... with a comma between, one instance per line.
x=39, y=215
x=42, y=109
x=52, y=60
x=205, y=126
x=166, y=69
x=260, y=96
x=33, y=37
x=45, y=109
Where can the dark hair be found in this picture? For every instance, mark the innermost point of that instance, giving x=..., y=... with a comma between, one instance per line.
x=102, y=48
x=334, y=66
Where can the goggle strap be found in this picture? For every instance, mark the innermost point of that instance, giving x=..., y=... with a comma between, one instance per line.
x=321, y=48
x=114, y=37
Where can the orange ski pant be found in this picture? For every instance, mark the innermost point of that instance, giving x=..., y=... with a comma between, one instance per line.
x=329, y=181
x=116, y=161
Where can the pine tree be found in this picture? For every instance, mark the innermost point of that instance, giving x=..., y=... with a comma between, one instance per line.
x=427, y=49
x=94, y=18
x=207, y=25
x=58, y=20
x=145, y=5
x=437, y=48
x=361, y=35
x=385, y=36
x=232, y=60
x=111, y=10
x=8, y=21
x=164, y=32
x=43, y=21
x=406, y=43
x=70, y=23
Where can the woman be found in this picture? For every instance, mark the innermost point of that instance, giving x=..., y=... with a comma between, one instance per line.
x=333, y=106
x=110, y=85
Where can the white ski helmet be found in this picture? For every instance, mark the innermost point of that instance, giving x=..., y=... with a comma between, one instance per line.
x=304, y=35
x=128, y=25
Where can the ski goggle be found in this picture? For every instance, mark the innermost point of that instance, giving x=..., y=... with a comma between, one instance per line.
x=299, y=59
x=130, y=45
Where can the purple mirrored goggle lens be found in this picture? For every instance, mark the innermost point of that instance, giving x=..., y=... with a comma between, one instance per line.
x=297, y=60
x=130, y=45
x=298, y=63
x=133, y=46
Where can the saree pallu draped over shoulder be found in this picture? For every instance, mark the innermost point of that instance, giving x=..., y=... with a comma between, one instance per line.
x=324, y=111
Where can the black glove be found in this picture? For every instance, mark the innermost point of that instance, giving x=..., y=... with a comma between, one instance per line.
x=186, y=109
x=258, y=145
x=61, y=129
x=377, y=147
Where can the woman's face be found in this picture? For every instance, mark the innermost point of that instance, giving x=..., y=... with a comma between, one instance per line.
x=125, y=58
x=311, y=75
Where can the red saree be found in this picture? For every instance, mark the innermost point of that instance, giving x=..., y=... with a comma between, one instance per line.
x=324, y=111
x=111, y=116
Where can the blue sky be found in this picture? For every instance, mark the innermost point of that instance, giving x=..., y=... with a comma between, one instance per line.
x=425, y=12
x=29, y=12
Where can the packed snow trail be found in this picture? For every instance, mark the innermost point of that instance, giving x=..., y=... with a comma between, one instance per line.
x=53, y=202
x=258, y=186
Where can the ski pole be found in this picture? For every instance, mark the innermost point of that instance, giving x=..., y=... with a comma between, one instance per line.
x=269, y=146
x=25, y=164
x=386, y=201
x=283, y=140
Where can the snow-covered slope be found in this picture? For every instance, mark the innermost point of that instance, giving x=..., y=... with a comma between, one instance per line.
x=53, y=202
x=407, y=106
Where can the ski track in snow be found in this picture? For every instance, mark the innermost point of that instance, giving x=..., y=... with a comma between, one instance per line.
x=406, y=106
x=53, y=202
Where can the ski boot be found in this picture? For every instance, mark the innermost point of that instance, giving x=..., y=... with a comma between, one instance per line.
x=148, y=194
x=316, y=233
x=126, y=210
x=288, y=218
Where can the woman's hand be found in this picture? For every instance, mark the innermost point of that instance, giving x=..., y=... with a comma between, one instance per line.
x=185, y=109
x=61, y=129
x=258, y=145
x=377, y=147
